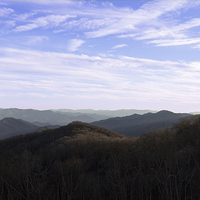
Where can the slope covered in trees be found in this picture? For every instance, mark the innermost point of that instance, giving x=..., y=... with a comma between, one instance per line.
x=82, y=161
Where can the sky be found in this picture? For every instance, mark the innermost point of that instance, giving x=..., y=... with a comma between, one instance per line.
x=100, y=55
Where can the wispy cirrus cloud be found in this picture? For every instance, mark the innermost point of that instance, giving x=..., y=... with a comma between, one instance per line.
x=140, y=75
x=5, y=11
x=48, y=21
x=24, y=16
x=36, y=39
x=169, y=34
x=146, y=14
x=117, y=78
x=173, y=35
x=176, y=42
x=74, y=44
x=87, y=23
x=148, y=22
x=119, y=46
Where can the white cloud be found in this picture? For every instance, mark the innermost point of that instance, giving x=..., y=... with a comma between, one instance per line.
x=10, y=23
x=146, y=14
x=170, y=34
x=145, y=23
x=24, y=16
x=35, y=39
x=174, y=35
x=25, y=27
x=69, y=78
x=196, y=47
x=48, y=21
x=5, y=11
x=86, y=23
x=163, y=32
x=120, y=77
x=119, y=46
x=74, y=44
x=132, y=35
x=188, y=25
x=60, y=75
x=176, y=42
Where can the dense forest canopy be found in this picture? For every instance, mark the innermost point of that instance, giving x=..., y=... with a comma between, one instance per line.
x=83, y=161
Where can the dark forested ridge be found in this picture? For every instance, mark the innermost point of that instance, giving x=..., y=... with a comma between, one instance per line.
x=136, y=125
x=83, y=161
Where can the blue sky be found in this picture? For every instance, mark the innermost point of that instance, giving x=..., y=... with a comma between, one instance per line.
x=100, y=55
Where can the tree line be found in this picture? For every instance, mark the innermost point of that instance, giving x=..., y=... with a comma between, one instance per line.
x=81, y=162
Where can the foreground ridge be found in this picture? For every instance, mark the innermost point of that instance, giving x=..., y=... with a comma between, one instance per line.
x=83, y=161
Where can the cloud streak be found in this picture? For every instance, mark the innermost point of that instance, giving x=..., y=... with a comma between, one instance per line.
x=48, y=21
x=60, y=50
x=176, y=42
x=119, y=46
x=74, y=44
x=131, y=19
x=150, y=22
x=5, y=11
x=122, y=77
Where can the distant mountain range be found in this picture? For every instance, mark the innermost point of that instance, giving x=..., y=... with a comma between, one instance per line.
x=136, y=125
x=107, y=113
x=48, y=116
x=64, y=116
x=18, y=121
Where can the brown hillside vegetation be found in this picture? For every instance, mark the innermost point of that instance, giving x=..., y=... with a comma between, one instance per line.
x=81, y=161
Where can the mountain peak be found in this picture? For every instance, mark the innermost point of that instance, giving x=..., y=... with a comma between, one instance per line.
x=165, y=112
x=136, y=125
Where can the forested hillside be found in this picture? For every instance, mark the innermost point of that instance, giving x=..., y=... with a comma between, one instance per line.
x=82, y=161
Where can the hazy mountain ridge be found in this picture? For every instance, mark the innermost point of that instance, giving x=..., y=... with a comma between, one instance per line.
x=48, y=116
x=64, y=116
x=136, y=125
x=133, y=125
x=11, y=127
x=107, y=113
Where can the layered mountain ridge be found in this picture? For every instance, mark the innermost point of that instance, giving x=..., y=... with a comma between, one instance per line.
x=131, y=126
x=10, y=127
x=136, y=125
